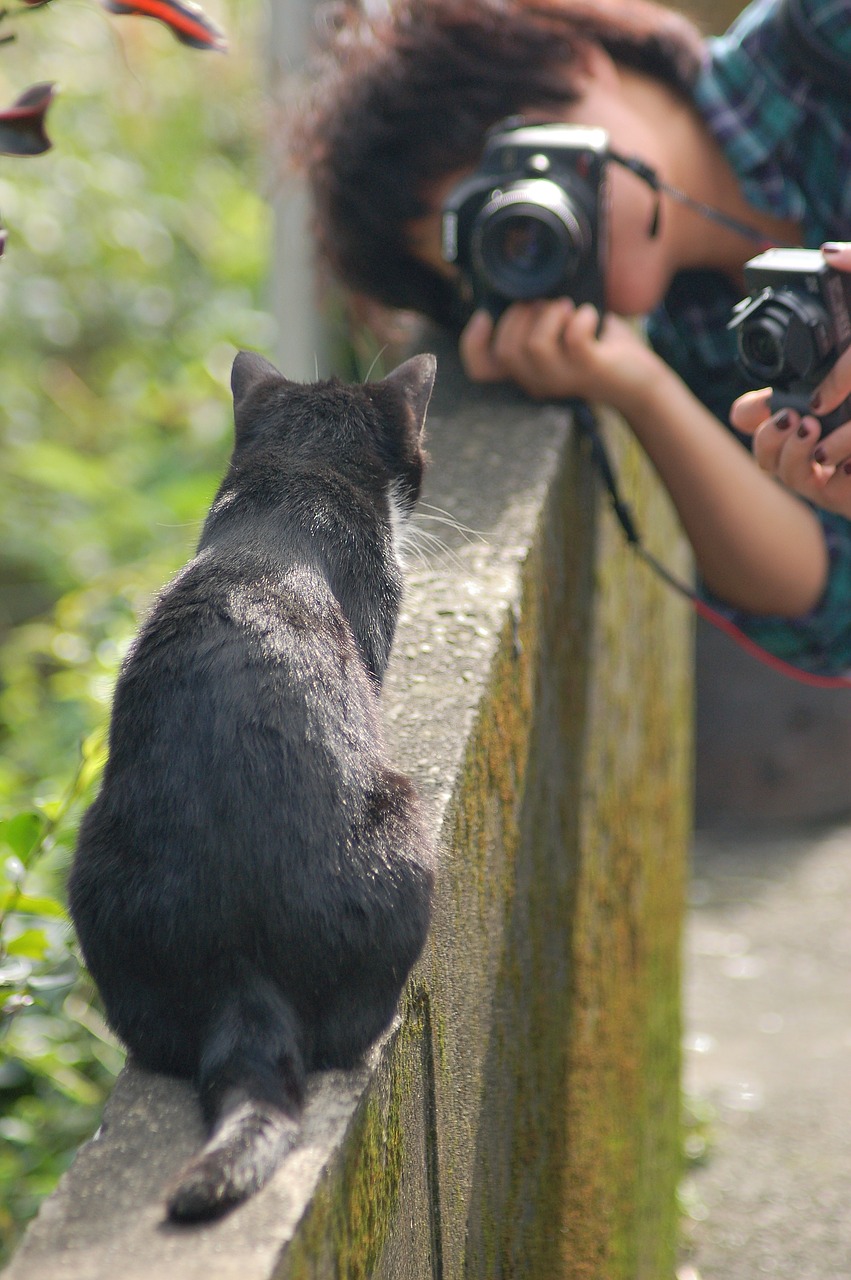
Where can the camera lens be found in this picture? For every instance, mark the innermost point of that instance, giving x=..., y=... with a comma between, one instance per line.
x=523, y=243
x=529, y=239
x=784, y=337
x=761, y=345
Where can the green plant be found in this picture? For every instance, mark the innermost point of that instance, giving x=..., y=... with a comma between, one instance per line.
x=58, y=1055
x=135, y=269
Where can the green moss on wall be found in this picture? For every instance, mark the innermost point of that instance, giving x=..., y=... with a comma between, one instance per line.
x=546, y=1072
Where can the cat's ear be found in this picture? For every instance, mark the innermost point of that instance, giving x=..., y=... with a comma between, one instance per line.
x=415, y=380
x=249, y=370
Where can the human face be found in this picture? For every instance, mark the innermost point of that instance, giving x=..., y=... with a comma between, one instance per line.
x=639, y=266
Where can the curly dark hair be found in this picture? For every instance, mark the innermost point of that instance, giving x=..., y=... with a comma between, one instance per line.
x=403, y=97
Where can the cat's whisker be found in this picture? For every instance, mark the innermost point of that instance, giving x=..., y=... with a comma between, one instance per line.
x=374, y=362
x=469, y=535
x=411, y=547
x=411, y=553
x=424, y=542
x=432, y=507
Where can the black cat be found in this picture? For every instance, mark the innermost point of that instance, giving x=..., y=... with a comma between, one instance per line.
x=253, y=882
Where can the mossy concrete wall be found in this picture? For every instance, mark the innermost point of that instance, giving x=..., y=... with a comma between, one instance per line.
x=520, y=1122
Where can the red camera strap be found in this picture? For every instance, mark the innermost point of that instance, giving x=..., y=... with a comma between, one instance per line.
x=586, y=424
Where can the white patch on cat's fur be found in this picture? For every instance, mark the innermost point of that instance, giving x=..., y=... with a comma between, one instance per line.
x=223, y=501
x=399, y=516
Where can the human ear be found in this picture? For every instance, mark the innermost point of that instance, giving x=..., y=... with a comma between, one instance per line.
x=594, y=68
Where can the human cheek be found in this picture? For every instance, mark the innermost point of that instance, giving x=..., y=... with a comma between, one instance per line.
x=636, y=280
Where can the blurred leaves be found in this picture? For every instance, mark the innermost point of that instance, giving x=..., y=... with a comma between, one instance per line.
x=187, y=21
x=22, y=129
x=54, y=1073
x=137, y=250
x=137, y=256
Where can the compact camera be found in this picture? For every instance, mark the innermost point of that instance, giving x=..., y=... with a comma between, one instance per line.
x=530, y=222
x=793, y=327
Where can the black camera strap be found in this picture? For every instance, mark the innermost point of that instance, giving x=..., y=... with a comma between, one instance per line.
x=649, y=175
x=586, y=424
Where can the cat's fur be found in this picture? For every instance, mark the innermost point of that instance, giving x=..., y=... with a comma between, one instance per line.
x=253, y=882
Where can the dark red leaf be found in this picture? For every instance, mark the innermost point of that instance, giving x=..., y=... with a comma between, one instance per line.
x=187, y=20
x=22, y=125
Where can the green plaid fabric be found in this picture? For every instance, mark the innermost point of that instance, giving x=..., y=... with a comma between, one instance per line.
x=776, y=93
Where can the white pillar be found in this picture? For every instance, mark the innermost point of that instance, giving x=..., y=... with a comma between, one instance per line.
x=303, y=346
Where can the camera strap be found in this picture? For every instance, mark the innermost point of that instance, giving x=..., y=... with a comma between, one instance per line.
x=586, y=424
x=649, y=175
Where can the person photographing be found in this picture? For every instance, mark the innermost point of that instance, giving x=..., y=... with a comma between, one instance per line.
x=715, y=150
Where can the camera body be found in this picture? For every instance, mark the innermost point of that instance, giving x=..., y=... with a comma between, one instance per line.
x=793, y=327
x=530, y=222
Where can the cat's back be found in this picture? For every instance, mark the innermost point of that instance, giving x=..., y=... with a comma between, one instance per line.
x=243, y=689
x=249, y=835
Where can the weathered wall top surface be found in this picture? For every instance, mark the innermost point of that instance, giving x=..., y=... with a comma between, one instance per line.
x=548, y=733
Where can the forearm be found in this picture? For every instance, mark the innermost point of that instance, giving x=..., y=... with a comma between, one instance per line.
x=757, y=546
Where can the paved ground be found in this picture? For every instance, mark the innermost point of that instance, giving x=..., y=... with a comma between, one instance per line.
x=768, y=1000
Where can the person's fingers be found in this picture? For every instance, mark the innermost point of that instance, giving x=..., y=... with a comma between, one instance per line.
x=795, y=461
x=838, y=254
x=835, y=448
x=477, y=354
x=771, y=436
x=511, y=336
x=545, y=342
x=836, y=491
x=583, y=326
x=835, y=388
x=749, y=412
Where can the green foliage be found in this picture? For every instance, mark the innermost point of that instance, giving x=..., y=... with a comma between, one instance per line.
x=59, y=1058
x=133, y=272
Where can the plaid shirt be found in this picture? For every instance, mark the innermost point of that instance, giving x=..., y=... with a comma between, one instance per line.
x=788, y=139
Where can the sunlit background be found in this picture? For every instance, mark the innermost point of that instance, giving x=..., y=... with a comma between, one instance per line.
x=136, y=265
x=138, y=262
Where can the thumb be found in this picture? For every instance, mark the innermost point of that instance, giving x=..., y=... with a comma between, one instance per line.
x=750, y=410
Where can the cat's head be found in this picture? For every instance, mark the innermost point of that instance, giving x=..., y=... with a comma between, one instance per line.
x=372, y=429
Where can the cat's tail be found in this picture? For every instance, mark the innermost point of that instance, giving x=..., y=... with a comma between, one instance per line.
x=252, y=1081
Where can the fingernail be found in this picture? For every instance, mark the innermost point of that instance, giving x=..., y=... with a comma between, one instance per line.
x=831, y=246
x=815, y=402
x=803, y=431
x=782, y=419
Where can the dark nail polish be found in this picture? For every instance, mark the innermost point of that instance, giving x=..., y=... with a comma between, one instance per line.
x=803, y=431
x=831, y=246
x=815, y=403
x=820, y=454
x=846, y=467
x=782, y=419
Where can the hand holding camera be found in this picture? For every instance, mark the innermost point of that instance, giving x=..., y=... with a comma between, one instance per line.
x=555, y=350
x=802, y=429
x=528, y=234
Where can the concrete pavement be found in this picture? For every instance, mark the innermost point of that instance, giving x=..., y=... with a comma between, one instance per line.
x=768, y=1056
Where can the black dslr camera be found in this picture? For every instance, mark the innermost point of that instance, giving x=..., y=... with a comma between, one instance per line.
x=793, y=327
x=530, y=222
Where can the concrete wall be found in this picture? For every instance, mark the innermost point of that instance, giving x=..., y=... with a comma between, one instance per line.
x=521, y=1120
